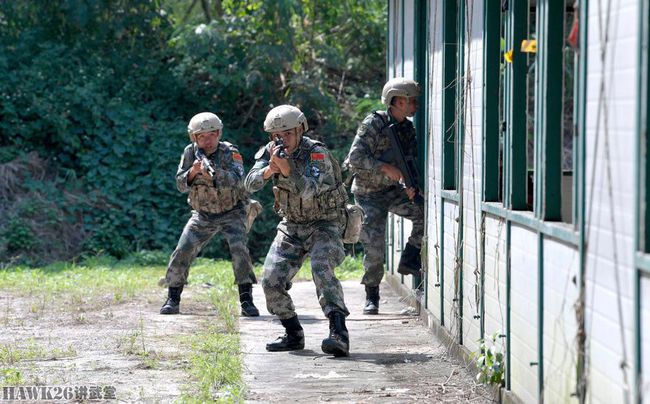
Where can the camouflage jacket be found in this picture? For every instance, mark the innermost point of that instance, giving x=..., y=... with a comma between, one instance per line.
x=312, y=191
x=369, y=148
x=224, y=191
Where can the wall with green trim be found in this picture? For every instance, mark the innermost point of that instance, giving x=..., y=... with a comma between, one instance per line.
x=495, y=270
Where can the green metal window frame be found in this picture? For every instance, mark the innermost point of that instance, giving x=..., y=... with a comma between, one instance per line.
x=548, y=114
x=449, y=92
x=421, y=67
x=548, y=142
x=643, y=123
x=422, y=117
x=491, y=124
x=515, y=139
x=642, y=217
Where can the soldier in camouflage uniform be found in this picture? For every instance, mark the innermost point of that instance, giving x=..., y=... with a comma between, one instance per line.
x=377, y=188
x=212, y=172
x=310, y=197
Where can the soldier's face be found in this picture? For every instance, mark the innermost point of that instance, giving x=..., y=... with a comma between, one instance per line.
x=208, y=141
x=407, y=106
x=290, y=137
x=412, y=106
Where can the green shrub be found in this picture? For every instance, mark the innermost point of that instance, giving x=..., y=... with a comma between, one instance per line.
x=103, y=90
x=489, y=361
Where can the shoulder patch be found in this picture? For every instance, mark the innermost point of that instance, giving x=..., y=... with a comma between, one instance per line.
x=237, y=157
x=317, y=156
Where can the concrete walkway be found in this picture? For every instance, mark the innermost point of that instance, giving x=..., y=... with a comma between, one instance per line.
x=393, y=357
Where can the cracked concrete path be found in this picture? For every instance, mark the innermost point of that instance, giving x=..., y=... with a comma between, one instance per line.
x=393, y=356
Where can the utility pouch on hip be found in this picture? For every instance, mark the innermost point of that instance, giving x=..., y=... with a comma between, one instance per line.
x=253, y=208
x=354, y=220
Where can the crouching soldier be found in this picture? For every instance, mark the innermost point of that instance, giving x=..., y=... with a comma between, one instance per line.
x=310, y=198
x=212, y=172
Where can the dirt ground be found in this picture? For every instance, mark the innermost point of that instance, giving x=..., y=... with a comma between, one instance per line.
x=393, y=357
x=143, y=356
x=128, y=347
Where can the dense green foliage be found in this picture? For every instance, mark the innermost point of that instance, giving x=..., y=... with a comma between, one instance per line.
x=95, y=96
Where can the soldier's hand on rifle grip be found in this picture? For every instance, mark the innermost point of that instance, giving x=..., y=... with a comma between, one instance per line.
x=279, y=162
x=194, y=171
x=411, y=192
x=271, y=170
x=391, y=172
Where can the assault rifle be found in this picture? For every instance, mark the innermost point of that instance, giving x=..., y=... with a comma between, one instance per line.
x=279, y=142
x=406, y=164
x=200, y=155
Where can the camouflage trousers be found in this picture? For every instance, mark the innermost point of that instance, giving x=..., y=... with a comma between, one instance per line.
x=322, y=242
x=373, y=233
x=198, y=231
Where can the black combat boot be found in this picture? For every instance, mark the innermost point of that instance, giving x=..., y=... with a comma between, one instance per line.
x=292, y=340
x=248, y=309
x=410, y=262
x=172, y=305
x=338, y=343
x=372, y=300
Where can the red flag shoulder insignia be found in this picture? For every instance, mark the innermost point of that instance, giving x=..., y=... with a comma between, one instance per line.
x=237, y=157
x=317, y=156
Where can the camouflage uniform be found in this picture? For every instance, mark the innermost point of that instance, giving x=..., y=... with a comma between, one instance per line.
x=217, y=206
x=311, y=202
x=378, y=194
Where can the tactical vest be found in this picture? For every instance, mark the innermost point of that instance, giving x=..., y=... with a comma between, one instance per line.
x=205, y=197
x=368, y=181
x=290, y=204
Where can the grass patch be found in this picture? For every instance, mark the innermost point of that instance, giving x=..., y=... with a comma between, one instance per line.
x=120, y=281
x=216, y=367
x=11, y=377
x=98, y=280
x=216, y=363
x=82, y=284
x=134, y=344
x=14, y=353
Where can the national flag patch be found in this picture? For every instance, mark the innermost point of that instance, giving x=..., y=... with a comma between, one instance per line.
x=237, y=157
x=317, y=156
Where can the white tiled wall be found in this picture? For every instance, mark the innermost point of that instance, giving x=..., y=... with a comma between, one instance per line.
x=523, y=312
x=450, y=285
x=610, y=209
x=645, y=337
x=561, y=273
x=473, y=160
x=495, y=278
x=433, y=225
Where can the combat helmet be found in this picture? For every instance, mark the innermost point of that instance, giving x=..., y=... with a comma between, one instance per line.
x=203, y=122
x=399, y=87
x=284, y=117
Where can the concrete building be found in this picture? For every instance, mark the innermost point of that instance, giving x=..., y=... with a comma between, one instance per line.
x=533, y=131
